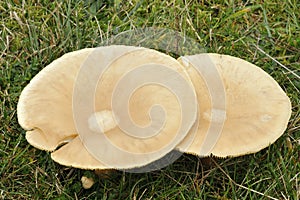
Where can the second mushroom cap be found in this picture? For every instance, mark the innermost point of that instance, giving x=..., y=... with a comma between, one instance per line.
x=243, y=115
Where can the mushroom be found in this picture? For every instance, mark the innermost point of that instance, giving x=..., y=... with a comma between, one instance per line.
x=86, y=182
x=243, y=115
x=80, y=107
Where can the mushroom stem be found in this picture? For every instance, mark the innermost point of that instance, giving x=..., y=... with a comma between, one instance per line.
x=102, y=121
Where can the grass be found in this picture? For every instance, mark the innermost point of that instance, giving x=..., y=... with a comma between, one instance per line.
x=34, y=33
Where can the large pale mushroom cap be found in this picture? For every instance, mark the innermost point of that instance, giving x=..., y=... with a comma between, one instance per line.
x=255, y=113
x=45, y=108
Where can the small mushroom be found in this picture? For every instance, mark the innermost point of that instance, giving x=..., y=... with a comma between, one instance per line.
x=86, y=182
x=256, y=110
x=55, y=108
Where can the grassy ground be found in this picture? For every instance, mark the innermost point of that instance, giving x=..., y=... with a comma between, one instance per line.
x=34, y=33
